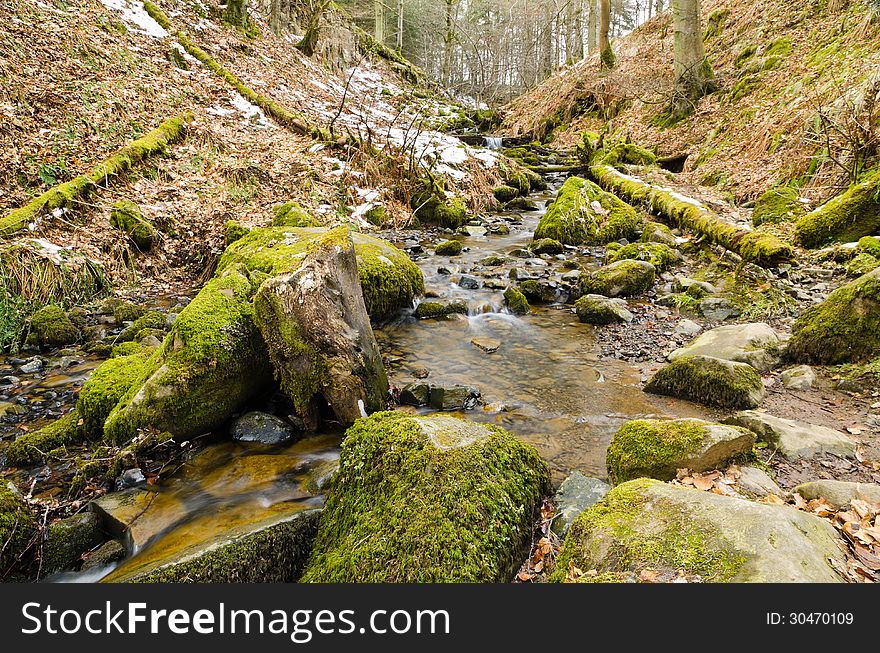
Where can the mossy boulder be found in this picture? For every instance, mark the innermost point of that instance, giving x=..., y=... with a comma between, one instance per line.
x=655, y=448
x=234, y=231
x=674, y=531
x=432, y=206
x=598, y=309
x=657, y=254
x=389, y=279
x=843, y=328
x=17, y=527
x=212, y=362
x=846, y=218
x=149, y=320
x=318, y=336
x=128, y=218
x=291, y=214
x=584, y=214
x=516, y=302
x=794, y=439
x=547, y=246
x=755, y=343
x=779, y=204
x=710, y=381
x=68, y=539
x=538, y=291
x=656, y=232
x=429, y=310
x=32, y=448
x=50, y=327
x=449, y=248
x=625, y=278
x=468, y=520
x=504, y=193
x=869, y=245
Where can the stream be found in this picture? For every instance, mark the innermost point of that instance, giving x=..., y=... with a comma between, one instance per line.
x=543, y=380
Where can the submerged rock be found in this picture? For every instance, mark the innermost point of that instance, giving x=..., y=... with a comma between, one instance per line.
x=658, y=448
x=625, y=278
x=318, y=334
x=650, y=525
x=415, y=394
x=794, y=439
x=711, y=381
x=754, y=344
x=576, y=494
x=538, y=291
x=598, y=309
x=263, y=428
x=468, y=520
x=547, y=246
x=449, y=248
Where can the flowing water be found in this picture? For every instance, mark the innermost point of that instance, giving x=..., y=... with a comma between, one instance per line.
x=544, y=382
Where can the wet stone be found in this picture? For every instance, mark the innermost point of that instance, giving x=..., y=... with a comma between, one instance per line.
x=130, y=478
x=415, y=394
x=718, y=309
x=261, y=427
x=468, y=282
x=454, y=397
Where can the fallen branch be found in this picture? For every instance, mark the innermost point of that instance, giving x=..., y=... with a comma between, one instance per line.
x=63, y=195
x=756, y=247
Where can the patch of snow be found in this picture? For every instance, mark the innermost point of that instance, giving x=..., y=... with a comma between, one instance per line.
x=133, y=12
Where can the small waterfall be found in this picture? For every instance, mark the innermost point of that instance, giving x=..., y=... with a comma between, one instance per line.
x=493, y=142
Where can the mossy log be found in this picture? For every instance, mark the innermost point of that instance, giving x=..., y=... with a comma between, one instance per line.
x=845, y=218
x=64, y=195
x=760, y=248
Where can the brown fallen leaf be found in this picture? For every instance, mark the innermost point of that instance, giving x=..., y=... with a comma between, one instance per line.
x=648, y=576
x=773, y=500
x=867, y=558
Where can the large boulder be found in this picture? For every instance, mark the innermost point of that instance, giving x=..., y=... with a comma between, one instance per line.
x=843, y=328
x=672, y=531
x=389, y=279
x=626, y=278
x=658, y=448
x=318, y=334
x=754, y=344
x=428, y=499
x=598, y=309
x=212, y=362
x=50, y=327
x=584, y=214
x=708, y=380
x=792, y=438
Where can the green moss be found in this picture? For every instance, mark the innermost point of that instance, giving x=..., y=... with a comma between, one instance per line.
x=17, y=527
x=32, y=448
x=434, y=310
x=869, y=245
x=516, y=302
x=779, y=204
x=861, y=264
x=106, y=386
x=149, y=320
x=626, y=278
x=656, y=232
x=843, y=328
x=846, y=218
x=50, y=327
x=431, y=206
x=623, y=153
x=780, y=47
x=389, y=279
x=291, y=214
x=211, y=363
x=234, y=231
x=630, y=530
x=744, y=87
x=709, y=381
x=504, y=193
x=715, y=23
x=68, y=539
x=657, y=254
x=651, y=448
x=127, y=217
x=472, y=519
x=64, y=195
x=537, y=291
x=547, y=246
x=745, y=54
x=572, y=218
x=369, y=45
x=377, y=215
x=449, y=248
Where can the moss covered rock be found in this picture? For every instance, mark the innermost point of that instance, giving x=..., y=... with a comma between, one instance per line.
x=538, y=291
x=598, y=309
x=212, y=361
x=672, y=530
x=468, y=520
x=780, y=204
x=547, y=246
x=50, y=327
x=449, y=248
x=504, y=193
x=17, y=527
x=843, y=328
x=429, y=310
x=516, y=302
x=657, y=254
x=233, y=231
x=710, y=381
x=584, y=214
x=389, y=279
x=658, y=448
x=755, y=343
x=109, y=383
x=432, y=206
x=656, y=232
x=627, y=278
x=128, y=218
x=32, y=448
x=149, y=320
x=846, y=218
x=68, y=539
x=291, y=214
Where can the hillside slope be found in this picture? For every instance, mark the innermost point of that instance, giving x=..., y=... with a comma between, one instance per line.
x=778, y=64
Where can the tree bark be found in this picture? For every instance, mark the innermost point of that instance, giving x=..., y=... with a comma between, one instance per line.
x=592, y=26
x=693, y=74
x=379, y=21
x=606, y=54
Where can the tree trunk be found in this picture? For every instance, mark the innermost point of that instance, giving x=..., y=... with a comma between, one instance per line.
x=448, y=39
x=236, y=13
x=592, y=26
x=606, y=54
x=379, y=21
x=399, y=25
x=693, y=74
